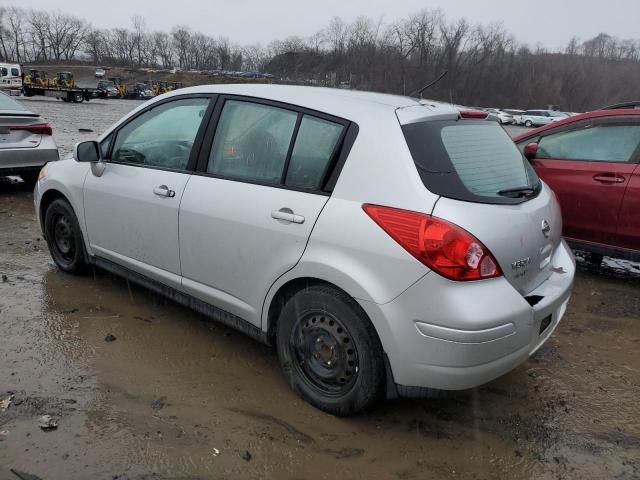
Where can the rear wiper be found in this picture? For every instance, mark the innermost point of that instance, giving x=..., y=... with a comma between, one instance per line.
x=517, y=192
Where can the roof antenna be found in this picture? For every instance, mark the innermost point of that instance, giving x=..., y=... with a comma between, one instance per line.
x=421, y=91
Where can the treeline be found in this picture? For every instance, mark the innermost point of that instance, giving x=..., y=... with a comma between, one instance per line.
x=486, y=65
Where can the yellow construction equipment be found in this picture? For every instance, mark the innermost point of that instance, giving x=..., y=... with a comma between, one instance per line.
x=36, y=78
x=63, y=80
x=154, y=86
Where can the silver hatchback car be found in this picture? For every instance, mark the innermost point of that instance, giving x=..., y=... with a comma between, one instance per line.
x=385, y=245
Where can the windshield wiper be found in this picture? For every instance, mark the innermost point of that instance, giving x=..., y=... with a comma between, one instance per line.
x=517, y=192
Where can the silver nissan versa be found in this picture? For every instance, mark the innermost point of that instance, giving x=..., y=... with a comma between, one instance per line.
x=385, y=245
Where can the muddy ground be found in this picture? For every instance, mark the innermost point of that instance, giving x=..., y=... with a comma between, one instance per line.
x=177, y=397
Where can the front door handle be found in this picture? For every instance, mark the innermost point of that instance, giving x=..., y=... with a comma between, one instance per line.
x=609, y=178
x=164, y=191
x=287, y=215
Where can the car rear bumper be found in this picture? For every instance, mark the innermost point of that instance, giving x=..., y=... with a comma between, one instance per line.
x=23, y=159
x=457, y=335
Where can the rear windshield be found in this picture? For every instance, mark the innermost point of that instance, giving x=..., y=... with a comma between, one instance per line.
x=471, y=160
x=8, y=103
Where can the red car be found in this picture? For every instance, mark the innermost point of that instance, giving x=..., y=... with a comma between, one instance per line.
x=592, y=163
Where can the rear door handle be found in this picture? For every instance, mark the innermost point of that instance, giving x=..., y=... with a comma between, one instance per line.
x=164, y=191
x=609, y=178
x=287, y=215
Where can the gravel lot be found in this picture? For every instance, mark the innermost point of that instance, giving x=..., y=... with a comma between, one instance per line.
x=175, y=396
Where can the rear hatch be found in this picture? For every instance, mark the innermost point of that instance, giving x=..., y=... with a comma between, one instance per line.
x=19, y=128
x=490, y=190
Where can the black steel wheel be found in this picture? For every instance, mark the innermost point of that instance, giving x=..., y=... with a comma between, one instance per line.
x=330, y=351
x=325, y=353
x=64, y=237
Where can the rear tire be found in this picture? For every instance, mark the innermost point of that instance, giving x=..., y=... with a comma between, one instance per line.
x=78, y=98
x=329, y=351
x=528, y=124
x=64, y=237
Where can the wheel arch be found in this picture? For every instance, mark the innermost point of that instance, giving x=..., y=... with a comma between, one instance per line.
x=286, y=288
x=47, y=199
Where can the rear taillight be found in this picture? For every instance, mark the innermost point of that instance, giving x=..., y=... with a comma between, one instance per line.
x=38, y=128
x=445, y=248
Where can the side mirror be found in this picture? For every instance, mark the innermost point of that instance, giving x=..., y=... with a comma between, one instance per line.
x=87, y=152
x=531, y=150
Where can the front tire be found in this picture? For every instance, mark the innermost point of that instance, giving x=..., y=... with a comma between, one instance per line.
x=528, y=124
x=329, y=351
x=64, y=237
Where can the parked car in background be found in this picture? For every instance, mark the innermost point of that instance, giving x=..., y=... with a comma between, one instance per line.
x=536, y=118
x=10, y=78
x=504, y=117
x=517, y=115
x=591, y=161
x=100, y=72
x=107, y=89
x=26, y=141
x=276, y=210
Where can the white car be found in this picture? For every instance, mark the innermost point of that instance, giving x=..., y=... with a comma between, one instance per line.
x=504, y=117
x=517, y=115
x=366, y=236
x=538, y=118
x=100, y=73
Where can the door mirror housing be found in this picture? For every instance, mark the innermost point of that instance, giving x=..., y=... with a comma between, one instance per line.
x=531, y=150
x=87, y=152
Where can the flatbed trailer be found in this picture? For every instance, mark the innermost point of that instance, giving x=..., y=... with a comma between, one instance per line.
x=73, y=94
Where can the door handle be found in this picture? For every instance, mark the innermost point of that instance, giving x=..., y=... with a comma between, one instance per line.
x=287, y=215
x=164, y=191
x=609, y=178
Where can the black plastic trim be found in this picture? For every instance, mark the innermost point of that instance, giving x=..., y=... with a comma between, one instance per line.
x=184, y=299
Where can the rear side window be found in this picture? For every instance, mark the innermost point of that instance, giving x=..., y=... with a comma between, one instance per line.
x=472, y=160
x=314, y=148
x=252, y=142
x=15, y=72
x=601, y=143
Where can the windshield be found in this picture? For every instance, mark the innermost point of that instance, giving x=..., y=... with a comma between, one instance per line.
x=472, y=160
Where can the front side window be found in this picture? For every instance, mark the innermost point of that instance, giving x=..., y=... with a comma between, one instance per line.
x=104, y=146
x=252, y=142
x=161, y=137
x=314, y=148
x=598, y=143
x=15, y=72
x=4, y=72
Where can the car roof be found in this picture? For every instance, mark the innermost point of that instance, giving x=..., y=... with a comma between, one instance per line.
x=349, y=104
x=577, y=118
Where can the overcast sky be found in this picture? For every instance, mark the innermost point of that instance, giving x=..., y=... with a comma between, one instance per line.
x=549, y=22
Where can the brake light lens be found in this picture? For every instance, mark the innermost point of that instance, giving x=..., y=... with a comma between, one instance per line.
x=471, y=114
x=444, y=247
x=38, y=128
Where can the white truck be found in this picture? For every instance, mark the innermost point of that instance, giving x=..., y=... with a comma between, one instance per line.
x=10, y=78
